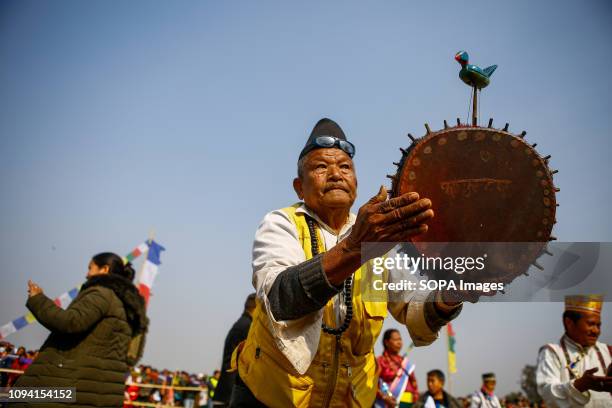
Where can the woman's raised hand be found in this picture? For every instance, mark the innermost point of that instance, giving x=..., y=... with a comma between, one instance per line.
x=33, y=289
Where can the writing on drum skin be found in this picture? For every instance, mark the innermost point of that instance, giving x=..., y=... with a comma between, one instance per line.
x=469, y=187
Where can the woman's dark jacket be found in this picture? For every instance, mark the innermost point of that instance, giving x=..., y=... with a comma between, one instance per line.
x=92, y=343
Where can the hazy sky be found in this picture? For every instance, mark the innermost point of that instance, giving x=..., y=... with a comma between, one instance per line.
x=187, y=118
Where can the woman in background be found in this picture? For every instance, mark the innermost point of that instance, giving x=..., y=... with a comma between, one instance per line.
x=392, y=365
x=95, y=340
x=21, y=363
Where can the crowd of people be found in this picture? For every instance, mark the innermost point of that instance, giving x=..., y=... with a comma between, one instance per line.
x=165, y=387
x=14, y=358
x=142, y=384
x=202, y=391
x=398, y=386
x=147, y=384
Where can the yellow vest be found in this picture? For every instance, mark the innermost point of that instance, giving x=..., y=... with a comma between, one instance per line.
x=213, y=382
x=343, y=371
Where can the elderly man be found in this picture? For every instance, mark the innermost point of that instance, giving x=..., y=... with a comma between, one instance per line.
x=576, y=372
x=312, y=337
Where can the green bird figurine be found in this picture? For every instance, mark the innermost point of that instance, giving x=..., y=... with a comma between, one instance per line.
x=471, y=74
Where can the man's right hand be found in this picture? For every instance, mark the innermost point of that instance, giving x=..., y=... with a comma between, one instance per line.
x=394, y=220
x=589, y=381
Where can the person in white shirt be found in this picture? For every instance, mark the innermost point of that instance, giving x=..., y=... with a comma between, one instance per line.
x=485, y=397
x=576, y=371
x=312, y=337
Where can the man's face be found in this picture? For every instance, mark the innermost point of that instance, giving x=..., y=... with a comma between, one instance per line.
x=328, y=180
x=586, y=330
x=489, y=385
x=434, y=384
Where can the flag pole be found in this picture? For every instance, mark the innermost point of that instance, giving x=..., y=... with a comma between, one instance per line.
x=475, y=107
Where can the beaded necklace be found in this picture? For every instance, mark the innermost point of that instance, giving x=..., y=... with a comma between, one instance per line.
x=571, y=365
x=347, y=290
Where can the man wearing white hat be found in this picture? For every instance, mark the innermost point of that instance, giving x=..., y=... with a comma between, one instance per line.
x=575, y=372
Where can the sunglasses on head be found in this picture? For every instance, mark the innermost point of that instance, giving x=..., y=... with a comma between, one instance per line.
x=331, y=141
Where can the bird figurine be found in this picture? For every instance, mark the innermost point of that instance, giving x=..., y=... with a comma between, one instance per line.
x=471, y=74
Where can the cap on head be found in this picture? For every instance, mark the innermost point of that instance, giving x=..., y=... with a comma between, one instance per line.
x=324, y=127
x=488, y=377
x=584, y=303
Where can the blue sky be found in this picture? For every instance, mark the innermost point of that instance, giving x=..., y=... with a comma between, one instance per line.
x=187, y=117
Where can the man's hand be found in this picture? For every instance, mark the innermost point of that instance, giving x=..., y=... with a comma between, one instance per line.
x=379, y=220
x=394, y=220
x=454, y=297
x=588, y=381
x=33, y=289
